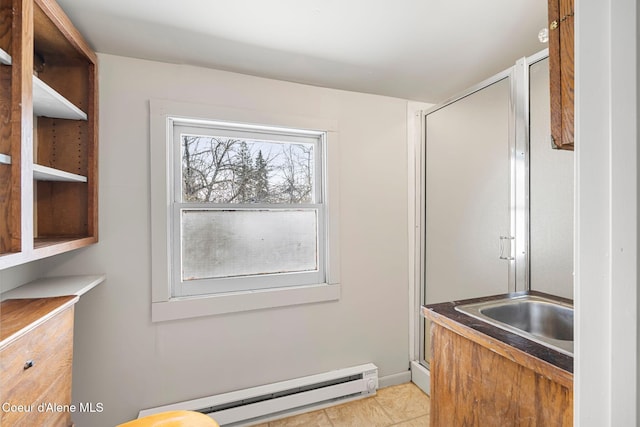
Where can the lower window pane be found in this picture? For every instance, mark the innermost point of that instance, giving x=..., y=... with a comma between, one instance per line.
x=233, y=243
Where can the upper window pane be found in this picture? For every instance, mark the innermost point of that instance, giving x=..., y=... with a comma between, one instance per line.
x=230, y=169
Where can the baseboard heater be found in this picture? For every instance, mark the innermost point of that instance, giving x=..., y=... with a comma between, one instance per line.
x=283, y=398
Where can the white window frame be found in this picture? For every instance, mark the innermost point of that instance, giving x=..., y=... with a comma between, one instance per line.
x=163, y=116
x=262, y=281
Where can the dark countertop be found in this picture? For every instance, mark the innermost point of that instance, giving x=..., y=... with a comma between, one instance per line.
x=469, y=327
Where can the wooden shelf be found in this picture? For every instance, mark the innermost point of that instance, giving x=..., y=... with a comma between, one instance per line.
x=44, y=173
x=41, y=243
x=5, y=58
x=44, y=247
x=5, y=159
x=49, y=103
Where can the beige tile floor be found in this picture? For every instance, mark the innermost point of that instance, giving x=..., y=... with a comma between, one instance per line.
x=403, y=405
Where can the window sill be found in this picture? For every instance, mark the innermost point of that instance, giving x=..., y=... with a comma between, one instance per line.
x=208, y=305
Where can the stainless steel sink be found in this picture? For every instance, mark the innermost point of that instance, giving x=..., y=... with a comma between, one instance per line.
x=545, y=321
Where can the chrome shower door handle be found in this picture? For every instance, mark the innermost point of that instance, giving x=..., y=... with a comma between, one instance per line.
x=502, y=248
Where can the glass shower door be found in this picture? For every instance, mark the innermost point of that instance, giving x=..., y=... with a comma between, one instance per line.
x=468, y=241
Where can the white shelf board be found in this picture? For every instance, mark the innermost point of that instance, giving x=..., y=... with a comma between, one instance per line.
x=49, y=103
x=5, y=159
x=48, y=287
x=5, y=58
x=44, y=173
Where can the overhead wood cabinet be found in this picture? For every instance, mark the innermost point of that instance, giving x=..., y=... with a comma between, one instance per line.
x=49, y=134
x=561, y=72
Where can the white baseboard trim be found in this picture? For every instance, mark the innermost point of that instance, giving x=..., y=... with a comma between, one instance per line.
x=421, y=377
x=395, y=379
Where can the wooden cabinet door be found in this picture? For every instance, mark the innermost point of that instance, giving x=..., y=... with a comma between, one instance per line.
x=36, y=368
x=561, y=66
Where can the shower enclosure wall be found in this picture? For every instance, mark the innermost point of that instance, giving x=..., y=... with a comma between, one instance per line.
x=492, y=200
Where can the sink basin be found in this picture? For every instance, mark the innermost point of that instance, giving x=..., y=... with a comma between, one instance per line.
x=543, y=320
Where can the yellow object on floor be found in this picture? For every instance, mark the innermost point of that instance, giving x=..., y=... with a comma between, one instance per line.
x=173, y=419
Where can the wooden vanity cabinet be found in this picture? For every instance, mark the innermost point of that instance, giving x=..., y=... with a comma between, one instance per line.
x=561, y=72
x=36, y=352
x=482, y=375
x=473, y=385
x=49, y=134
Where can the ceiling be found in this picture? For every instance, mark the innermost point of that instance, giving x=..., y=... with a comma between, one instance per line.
x=426, y=50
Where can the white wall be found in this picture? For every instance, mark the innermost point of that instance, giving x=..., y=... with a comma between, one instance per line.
x=550, y=196
x=606, y=241
x=128, y=363
x=16, y=276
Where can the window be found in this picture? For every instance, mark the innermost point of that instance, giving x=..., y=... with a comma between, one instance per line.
x=248, y=209
x=243, y=210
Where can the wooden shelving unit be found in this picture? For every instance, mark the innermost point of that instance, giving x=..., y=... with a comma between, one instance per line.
x=48, y=92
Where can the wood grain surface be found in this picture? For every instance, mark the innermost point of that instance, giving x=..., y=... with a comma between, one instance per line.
x=474, y=386
x=6, y=198
x=516, y=350
x=36, y=356
x=561, y=72
x=56, y=33
x=6, y=141
x=18, y=315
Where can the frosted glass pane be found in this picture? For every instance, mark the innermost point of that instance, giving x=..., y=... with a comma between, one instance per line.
x=232, y=243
